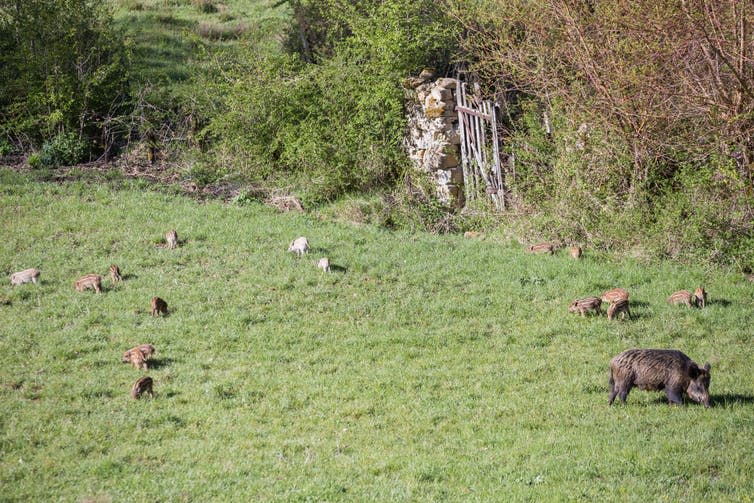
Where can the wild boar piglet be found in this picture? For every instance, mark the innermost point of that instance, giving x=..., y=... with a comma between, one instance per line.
x=25, y=276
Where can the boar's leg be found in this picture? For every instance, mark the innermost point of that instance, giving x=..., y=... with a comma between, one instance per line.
x=621, y=390
x=674, y=397
x=623, y=394
x=612, y=391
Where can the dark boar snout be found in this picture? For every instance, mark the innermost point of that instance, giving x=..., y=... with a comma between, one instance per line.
x=698, y=389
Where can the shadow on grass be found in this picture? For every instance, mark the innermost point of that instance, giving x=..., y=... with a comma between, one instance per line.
x=338, y=268
x=158, y=363
x=719, y=302
x=634, y=317
x=723, y=400
x=728, y=399
x=638, y=303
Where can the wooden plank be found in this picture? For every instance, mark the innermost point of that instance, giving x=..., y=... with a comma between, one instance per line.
x=479, y=148
x=470, y=142
x=498, y=167
x=462, y=130
x=471, y=111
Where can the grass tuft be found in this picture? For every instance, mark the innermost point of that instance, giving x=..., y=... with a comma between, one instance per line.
x=205, y=6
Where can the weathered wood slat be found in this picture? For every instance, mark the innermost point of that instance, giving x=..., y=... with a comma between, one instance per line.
x=467, y=185
x=496, y=157
x=475, y=113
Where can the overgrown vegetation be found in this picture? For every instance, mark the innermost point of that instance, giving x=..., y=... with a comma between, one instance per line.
x=64, y=74
x=628, y=123
x=423, y=368
x=627, y=128
x=328, y=117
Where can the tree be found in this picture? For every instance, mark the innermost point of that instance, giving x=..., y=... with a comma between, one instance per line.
x=63, y=70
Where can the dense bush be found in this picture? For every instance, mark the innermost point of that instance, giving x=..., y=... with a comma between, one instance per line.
x=630, y=124
x=63, y=70
x=330, y=118
x=64, y=150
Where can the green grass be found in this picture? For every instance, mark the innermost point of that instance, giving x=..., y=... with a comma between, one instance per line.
x=424, y=368
x=171, y=38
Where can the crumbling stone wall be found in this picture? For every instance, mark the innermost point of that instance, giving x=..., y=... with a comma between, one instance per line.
x=433, y=140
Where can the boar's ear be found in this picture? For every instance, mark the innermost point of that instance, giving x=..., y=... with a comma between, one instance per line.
x=707, y=367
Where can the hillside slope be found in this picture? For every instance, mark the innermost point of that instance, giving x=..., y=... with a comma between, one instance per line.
x=423, y=367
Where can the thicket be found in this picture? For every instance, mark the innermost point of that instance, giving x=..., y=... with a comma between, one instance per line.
x=627, y=125
x=64, y=75
x=630, y=124
x=327, y=115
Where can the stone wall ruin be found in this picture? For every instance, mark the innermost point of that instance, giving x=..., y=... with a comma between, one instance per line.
x=433, y=139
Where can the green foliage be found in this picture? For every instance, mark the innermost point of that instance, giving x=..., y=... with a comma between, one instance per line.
x=63, y=67
x=205, y=6
x=173, y=77
x=64, y=150
x=34, y=160
x=532, y=177
x=423, y=368
x=203, y=174
x=619, y=86
x=333, y=125
x=6, y=148
x=706, y=216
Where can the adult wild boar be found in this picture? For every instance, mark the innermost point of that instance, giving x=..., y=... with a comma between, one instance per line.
x=659, y=369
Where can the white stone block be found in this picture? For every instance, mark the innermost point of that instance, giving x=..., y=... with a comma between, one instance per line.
x=449, y=176
x=444, y=95
x=453, y=137
x=446, y=83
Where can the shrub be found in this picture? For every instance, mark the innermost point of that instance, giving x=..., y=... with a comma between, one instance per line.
x=205, y=6
x=333, y=123
x=640, y=114
x=63, y=68
x=64, y=150
x=706, y=215
x=34, y=160
x=6, y=148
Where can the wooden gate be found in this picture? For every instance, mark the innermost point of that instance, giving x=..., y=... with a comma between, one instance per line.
x=480, y=153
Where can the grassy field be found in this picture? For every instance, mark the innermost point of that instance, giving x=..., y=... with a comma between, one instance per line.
x=423, y=368
x=170, y=38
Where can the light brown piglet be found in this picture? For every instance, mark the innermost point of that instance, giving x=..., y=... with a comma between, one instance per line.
x=681, y=297
x=25, y=276
x=115, y=273
x=172, y=239
x=93, y=281
x=587, y=304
